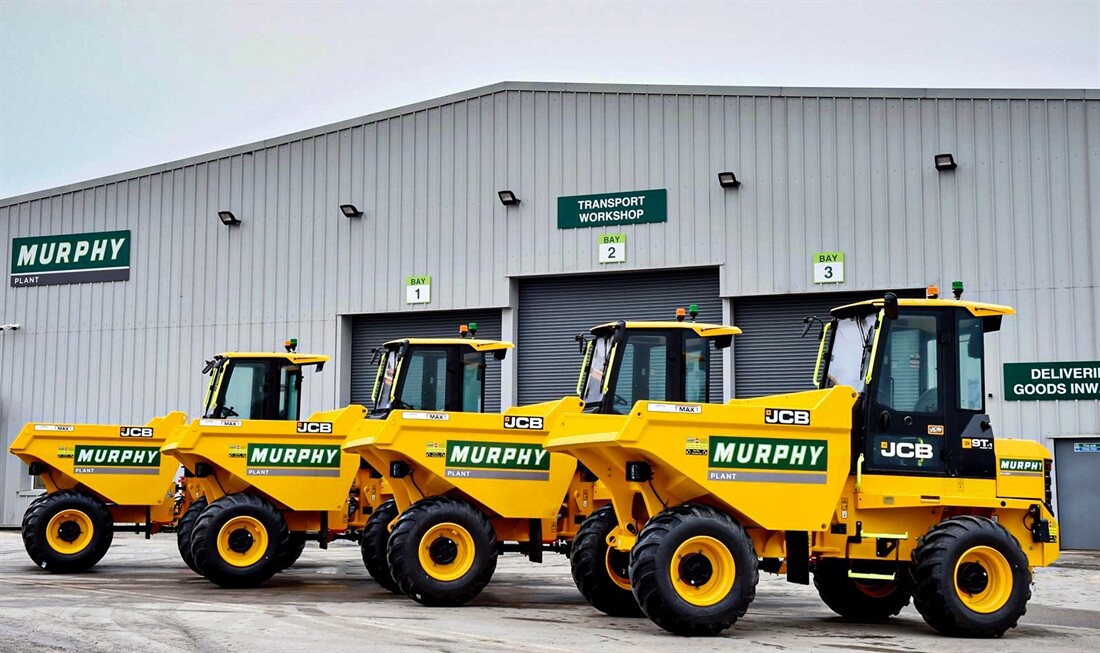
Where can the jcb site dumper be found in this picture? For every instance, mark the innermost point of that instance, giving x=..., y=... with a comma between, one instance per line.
x=886, y=483
x=467, y=486
x=97, y=477
x=270, y=480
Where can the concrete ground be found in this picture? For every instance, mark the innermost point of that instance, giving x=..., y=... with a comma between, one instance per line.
x=141, y=597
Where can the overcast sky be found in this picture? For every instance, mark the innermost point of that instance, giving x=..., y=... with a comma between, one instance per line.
x=91, y=89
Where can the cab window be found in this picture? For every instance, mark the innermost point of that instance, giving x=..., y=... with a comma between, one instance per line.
x=290, y=386
x=910, y=367
x=970, y=382
x=424, y=386
x=696, y=369
x=473, y=381
x=643, y=371
x=246, y=391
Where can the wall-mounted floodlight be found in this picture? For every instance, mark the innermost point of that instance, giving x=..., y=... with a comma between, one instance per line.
x=228, y=219
x=728, y=180
x=350, y=211
x=945, y=162
x=10, y=327
x=507, y=197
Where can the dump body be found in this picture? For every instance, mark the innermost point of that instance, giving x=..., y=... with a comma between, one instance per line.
x=478, y=456
x=121, y=465
x=297, y=465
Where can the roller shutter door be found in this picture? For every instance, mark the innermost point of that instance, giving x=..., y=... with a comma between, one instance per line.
x=771, y=357
x=553, y=310
x=369, y=331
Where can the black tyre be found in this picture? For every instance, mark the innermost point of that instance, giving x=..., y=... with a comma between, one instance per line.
x=861, y=600
x=442, y=552
x=185, y=528
x=602, y=574
x=237, y=540
x=67, y=532
x=693, y=570
x=296, y=544
x=970, y=578
x=376, y=536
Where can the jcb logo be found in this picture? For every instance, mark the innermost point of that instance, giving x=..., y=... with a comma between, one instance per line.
x=521, y=422
x=315, y=427
x=918, y=450
x=783, y=416
x=977, y=443
x=135, y=432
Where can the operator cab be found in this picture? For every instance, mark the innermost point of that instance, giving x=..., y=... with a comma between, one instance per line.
x=257, y=385
x=434, y=374
x=918, y=365
x=626, y=362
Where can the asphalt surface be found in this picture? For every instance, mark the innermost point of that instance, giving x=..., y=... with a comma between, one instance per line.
x=142, y=597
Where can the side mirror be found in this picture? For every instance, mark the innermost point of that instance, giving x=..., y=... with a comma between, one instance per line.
x=890, y=306
x=581, y=342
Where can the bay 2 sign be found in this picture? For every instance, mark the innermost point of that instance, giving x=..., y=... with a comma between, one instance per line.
x=631, y=207
x=1052, y=381
x=72, y=258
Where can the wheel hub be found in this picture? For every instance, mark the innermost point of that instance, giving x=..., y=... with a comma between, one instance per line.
x=973, y=578
x=240, y=540
x=696, y=569
x=69, y=531
x=443, y=551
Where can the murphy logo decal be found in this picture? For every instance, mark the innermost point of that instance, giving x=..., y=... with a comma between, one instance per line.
x=767, y=460
x=497, y=460
x=1021, y=467
x=89, y=459
x=293, y=460
x=72, y=258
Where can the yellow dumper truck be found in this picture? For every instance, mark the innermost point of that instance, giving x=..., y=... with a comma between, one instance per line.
x=886, y=482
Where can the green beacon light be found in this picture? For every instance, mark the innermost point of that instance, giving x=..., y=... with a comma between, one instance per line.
x=291, y=345
x=693, y=311
x=957, y=289
x=473, y=329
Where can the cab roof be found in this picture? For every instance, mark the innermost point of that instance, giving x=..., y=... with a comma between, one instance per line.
x=703, y=329
x=297, y=359
x=977, y=309
x=473, y=343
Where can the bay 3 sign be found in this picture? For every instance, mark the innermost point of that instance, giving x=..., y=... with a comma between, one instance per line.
x=72, y=258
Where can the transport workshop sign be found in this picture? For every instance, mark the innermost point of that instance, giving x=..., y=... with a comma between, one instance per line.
x=1052, y=381
x=632, y=207
x=73, y=258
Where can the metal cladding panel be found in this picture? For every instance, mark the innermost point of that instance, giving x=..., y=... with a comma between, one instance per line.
x=821, y=169
x=771, y=356
x=370, y=331
x=554, y=310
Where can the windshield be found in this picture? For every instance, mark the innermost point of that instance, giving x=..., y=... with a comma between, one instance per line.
x=383, y=384
x=850, y=351
x=596, y=360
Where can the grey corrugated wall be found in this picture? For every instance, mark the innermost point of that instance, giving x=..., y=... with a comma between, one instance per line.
x=822, y=169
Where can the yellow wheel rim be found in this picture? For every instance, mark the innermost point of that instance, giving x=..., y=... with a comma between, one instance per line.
x=983, y=579
x=242, y=541
x=447, y=552
x=69, y=532
x=702, y=571
x=614, y=561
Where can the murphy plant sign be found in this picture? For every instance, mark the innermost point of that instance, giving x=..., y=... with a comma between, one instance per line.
x=632, y=207
x=90, y=459
x=293, y=460
x=73, y=258
x=1052, y=381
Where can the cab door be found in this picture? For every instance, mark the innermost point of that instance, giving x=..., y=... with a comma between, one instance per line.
x=907, y=402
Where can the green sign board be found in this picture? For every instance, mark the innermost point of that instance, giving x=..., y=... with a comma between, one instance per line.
x=1052, y=381
x=632, y=207
x=73, y=258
